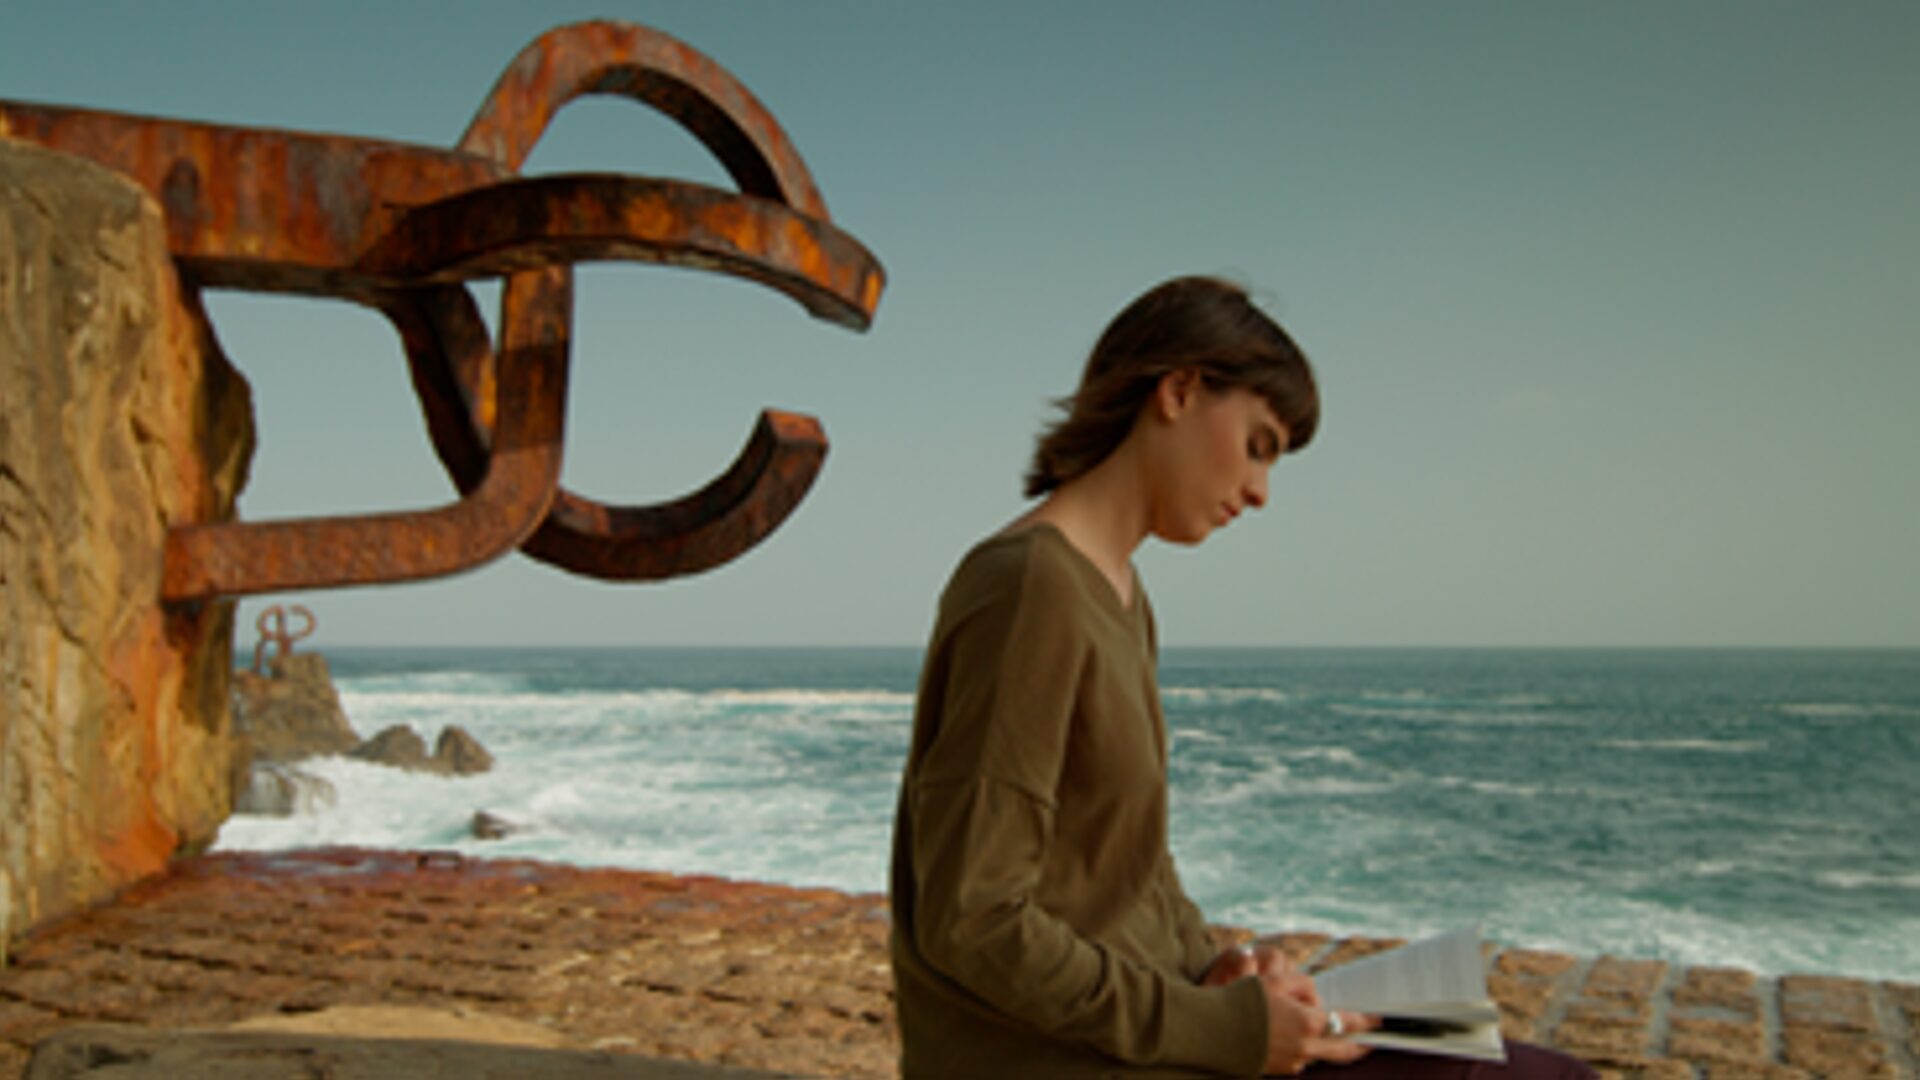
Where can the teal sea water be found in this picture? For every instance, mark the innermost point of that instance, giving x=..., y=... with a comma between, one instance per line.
x=1754, y=808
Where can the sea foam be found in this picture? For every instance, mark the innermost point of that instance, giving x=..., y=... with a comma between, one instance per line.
x=1691, y=807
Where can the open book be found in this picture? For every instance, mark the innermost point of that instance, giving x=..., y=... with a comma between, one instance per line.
x=1431, y=995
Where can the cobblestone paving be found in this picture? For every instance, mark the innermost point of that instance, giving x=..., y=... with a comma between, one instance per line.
x=779, y=978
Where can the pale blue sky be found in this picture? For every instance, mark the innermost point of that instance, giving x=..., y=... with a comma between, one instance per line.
x=1614, y=305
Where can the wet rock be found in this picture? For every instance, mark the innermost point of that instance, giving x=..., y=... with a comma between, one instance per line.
x=282, y=791
x=460, y=754
x=292, y=711
x=455, y=753
x=487, y=826
x=399, y=746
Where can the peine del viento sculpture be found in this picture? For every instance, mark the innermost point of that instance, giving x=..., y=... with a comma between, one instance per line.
x=125, y=431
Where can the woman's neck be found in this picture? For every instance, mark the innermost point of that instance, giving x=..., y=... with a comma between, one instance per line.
x=1103, y=513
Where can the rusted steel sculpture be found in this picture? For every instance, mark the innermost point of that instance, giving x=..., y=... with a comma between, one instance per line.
x=272, y=625
x=400, y=228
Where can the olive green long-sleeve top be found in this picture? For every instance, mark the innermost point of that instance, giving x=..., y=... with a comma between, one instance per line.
x=1039, y=928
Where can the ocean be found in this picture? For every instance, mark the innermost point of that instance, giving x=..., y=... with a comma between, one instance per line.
x=1755, y=808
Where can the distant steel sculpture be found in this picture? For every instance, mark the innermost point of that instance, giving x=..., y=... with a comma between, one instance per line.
x=272, y=625
x=400, y=228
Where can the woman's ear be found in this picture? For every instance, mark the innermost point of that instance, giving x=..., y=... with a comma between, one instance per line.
x=1175, y=391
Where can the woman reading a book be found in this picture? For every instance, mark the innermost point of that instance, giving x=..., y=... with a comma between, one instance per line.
x=1039, y=927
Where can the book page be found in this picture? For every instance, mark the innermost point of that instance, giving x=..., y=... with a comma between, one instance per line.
x=1438, y=978
x=1441, y=977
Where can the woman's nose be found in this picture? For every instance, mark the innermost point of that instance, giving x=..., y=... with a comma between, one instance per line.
x=1256, y=491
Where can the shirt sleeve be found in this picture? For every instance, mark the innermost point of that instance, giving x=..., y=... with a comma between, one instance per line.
x=982, y=824
x=1195, y=937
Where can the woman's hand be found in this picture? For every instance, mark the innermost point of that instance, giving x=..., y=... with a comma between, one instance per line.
x=1296, y=1022
x=1256, y=960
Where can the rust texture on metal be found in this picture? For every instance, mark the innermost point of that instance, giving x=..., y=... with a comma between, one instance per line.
x=732, y=513
x=272, y=625
x=401, y=229
x=650, y=67
x=522, y=474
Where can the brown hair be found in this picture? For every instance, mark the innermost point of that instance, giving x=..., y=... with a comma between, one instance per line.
x=1198, y=323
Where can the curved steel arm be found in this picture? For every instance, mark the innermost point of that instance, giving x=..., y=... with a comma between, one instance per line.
x=779, y=235
x=452, y=370
x=696, y=532
x=522, y=474
x=542, y=220
x=658, y=69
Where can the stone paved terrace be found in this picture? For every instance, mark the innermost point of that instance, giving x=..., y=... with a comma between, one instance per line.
x=792, y=980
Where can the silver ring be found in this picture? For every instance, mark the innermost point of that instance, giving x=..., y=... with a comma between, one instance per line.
x=1336, y=1027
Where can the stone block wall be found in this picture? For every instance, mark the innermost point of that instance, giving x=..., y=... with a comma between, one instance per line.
x=118, y=418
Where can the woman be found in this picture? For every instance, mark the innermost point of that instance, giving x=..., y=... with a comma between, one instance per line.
x=1039, y=927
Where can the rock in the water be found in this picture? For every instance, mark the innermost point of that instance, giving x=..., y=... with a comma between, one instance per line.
x=399, y=745
x=119, y=419
x=492, y=826
x=282, y=791
x=292, y=712
x=459, y=753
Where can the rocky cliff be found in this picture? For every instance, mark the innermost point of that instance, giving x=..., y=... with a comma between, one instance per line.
x=118, y=418
x=291, y=711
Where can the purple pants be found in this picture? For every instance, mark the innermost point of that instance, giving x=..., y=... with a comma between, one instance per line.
x=1524, y=1062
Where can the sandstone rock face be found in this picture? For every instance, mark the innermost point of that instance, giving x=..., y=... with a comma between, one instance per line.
x=119, y=417
x=292, y=711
